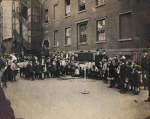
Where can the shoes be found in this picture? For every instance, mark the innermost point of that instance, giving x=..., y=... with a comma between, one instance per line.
x=110, y=87
x=123, y=92
x=136, y=93
x=120, y=91
x=131, y=90
x=148, y=100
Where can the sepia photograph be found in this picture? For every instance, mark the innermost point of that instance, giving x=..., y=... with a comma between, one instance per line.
x=74, y=59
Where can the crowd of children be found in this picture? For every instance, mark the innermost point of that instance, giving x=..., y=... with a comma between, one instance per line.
x=121, y=74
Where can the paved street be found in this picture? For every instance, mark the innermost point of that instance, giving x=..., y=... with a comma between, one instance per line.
x=62, y=99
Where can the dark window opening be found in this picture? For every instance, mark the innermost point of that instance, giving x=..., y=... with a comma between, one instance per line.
x=46, y=43
x=46, y=16
x=81, y=5
x=24, y=11
x=67, y=7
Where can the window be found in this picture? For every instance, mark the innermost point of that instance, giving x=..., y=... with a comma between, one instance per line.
x=81, y=5
x=100, y=2
x=68, y=36
x=67, y=7
x=17, y=6
x=24, y=11
x=29, y=14
x=125, y=26
x=46, y=43
x=13, y=7
x=36, y=14
x=100, y=30
x=29, y=39
x=46, y=16
x=55, y=37
x=56, y=12
x=83, y=32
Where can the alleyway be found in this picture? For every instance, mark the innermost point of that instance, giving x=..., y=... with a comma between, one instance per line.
x=62, y=99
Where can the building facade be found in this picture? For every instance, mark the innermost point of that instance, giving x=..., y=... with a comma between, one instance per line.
x=26, y=26
x=119, y=27
x=6, y=24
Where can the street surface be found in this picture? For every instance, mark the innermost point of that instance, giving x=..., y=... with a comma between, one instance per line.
x=62, y=99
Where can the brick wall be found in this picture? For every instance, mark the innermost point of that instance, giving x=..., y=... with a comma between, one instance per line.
x=111, y=10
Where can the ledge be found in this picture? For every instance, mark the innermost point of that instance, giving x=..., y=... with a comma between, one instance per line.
x=55, y=46
x=67, y=45
x=81, y=11
x=83, y=43
x=45, y=23
x=127, y=39
x=56, y=20
x=68, y=16
x=99, y=5
x=100, y=42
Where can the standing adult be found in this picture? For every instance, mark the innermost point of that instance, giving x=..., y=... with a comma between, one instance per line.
x=97, y=59
x=123, y=68
x=145, y=68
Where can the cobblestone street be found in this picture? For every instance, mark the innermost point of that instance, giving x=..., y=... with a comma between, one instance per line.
x=62, y=99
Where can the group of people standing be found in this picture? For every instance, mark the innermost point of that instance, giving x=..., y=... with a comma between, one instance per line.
x=10, y=69
x=121, y=73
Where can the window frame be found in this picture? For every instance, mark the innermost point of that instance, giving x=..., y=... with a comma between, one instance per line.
x=36, y=18
x=46, y=20
x=98, y=5
x=66, y=15
x=55, y=19
x=97, y=34
x=79, y=6
x=124, y=39
x=79, y=31
x=66, y=41
x=55, y=42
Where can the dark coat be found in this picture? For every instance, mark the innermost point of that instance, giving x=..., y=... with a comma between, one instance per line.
x=105, y=57
x=123, y=71
x=5, y=108
x=30, y=68
x=39, y=68
x=111, y=70
x=2, y=63
x=129, y=72
x=97, y=60
x=145, y=63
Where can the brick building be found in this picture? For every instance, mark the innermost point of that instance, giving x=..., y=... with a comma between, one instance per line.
x=121, y=27
x=26, y=26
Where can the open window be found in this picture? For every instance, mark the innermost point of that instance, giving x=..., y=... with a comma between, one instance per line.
x=46, y=43
x=67, y=2
x=46, y=16
x=81, y=5
x=101, y=30
x=100, y=2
